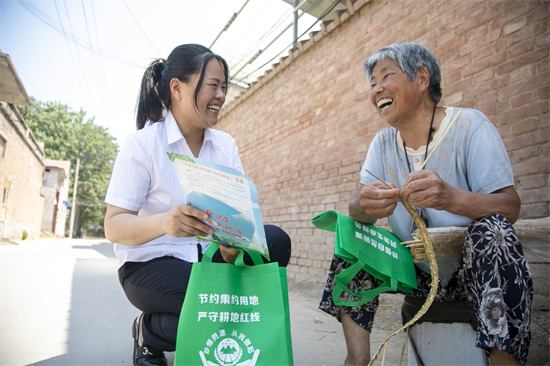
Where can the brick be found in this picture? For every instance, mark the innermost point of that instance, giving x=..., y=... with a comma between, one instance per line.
x=518, y=142
x=531, y=167
x=349, y=169
x=484, y=64
x=543, y=65
x=522, y=99
x=513, y=14
x=465, y=104
x=451, y=45
x=455, y=98
x=503, y=131
x=456, y=21
x=486, y=98
x=483, y=76
x=534, y=210
x=542, y=13
x=519, y=49
x=478, y=32
x=471, y=46
x=467, y=5
x=543, y=39
x=509, y=5
x=526, y=153
x=535, y=195
x=451, y=78
x=457, y=64
x=533, y=181
x=522, y=73
x=480, y=19
x=523, y=60
x=443, y=38
x=544, y=92
x=531, y=83
x=515, y=26
x=482, y=53
x=523, y=127
x=494, y=109
x=480, y=9
x=443, y=14
x=459, y=86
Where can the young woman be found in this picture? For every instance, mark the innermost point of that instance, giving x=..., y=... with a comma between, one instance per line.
x=153, y=229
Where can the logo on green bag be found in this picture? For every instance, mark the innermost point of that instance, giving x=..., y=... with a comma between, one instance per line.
x=228, y=350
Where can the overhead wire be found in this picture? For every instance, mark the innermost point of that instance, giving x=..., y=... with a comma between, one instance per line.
x=240, y=38
x=256, y=45
x=90, y=42
x=70, y=52
x=228, y=24
x=257, y=54
x=325, y=13
x=78, y=56
x=46, y=19
x=264, y=48
x=104, y=79
x=142, y=31
x=280, y=21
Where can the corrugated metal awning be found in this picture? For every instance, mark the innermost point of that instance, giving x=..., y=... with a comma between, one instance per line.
x=317, y=7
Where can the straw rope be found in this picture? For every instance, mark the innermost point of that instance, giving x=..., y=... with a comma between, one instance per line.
x=433, y=267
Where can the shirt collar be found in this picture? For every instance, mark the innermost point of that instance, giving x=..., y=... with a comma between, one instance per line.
x=173, y=133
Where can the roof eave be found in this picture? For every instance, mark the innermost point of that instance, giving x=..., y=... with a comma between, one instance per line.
x=11, y=88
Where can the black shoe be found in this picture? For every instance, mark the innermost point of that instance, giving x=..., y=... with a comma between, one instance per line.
x=142, y=356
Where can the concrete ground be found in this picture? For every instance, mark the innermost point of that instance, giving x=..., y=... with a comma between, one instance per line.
x=61, y=304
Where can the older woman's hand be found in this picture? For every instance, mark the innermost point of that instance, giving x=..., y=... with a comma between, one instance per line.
x=427, y=190
x=378, y=203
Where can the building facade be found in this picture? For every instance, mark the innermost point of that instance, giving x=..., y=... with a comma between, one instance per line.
x=21, y=161
x=55, y=189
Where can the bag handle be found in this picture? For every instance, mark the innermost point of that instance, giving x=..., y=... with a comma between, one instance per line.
x=342, y=280
x=239, y=262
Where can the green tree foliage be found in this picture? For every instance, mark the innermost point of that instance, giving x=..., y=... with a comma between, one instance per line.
x=66, y=135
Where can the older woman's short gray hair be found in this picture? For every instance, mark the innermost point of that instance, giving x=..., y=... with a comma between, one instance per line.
x=410, y=57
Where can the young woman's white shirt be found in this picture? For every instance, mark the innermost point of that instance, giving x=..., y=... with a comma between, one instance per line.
x=144, y=180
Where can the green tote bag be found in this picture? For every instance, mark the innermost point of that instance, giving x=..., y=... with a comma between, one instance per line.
x=373, y=249
x=235, y=315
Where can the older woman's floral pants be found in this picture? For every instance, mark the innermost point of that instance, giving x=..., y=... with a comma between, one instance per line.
x=493, y=277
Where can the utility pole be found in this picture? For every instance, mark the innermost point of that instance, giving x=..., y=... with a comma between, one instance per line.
x=71, y=219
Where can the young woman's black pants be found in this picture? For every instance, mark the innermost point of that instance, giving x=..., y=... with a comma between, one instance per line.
x=157, y=287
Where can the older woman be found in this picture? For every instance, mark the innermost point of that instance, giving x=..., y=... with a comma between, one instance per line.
x=468, y=181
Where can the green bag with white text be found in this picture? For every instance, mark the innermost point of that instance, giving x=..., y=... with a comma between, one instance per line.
x=235, y=315
x=371, y=248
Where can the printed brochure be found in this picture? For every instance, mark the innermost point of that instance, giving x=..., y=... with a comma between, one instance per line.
x=228, y=197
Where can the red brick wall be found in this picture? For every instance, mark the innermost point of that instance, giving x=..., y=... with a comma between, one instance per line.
x=308, y=120
x=23, y=163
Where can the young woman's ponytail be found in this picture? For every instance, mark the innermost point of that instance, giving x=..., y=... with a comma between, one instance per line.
x=150, y=105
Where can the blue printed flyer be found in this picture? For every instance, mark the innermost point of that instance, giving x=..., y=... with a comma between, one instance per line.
x=228, y=197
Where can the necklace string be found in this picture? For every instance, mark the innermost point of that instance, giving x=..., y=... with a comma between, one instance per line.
x=430, y=138
x=412, y=226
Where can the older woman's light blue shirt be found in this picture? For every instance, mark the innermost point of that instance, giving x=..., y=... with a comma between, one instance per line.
x=471, y=157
